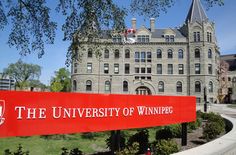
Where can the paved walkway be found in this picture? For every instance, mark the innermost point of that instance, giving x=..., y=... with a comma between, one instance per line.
x=223, y=109
x=225, y=145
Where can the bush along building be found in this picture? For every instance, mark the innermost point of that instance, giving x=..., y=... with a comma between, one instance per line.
x=170, y=61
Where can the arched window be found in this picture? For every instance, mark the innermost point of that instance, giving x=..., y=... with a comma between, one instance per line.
x=159, y=53
x=169, y=53
x=234, y=79
x=127, y=53
x=125, y=86
x=88, y=85
x=180, y=54
x=106, y=53
x=117, y=53
x=107, y=86
x=210, y=87
x=197, y=86
x=90, y=53
x=209, y=54
x=161, y=86
x=197, y=53
x=179, y=86
x=74, y=85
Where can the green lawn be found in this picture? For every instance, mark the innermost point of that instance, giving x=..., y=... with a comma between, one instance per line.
x=38, y=145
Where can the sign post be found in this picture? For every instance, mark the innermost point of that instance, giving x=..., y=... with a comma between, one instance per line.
x=184, y=134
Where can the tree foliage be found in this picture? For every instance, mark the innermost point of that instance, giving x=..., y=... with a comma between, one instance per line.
x=61, y=81
x=33, y=27
x=22, y=73
x=150, y=8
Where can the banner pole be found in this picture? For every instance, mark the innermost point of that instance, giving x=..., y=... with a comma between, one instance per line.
x=184, y=134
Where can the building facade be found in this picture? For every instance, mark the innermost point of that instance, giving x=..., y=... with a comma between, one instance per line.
x=230, y=78
x=6, y=83
x=172, y=61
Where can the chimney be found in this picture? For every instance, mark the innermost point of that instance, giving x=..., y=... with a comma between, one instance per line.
x=133, y=22
x=152, y=24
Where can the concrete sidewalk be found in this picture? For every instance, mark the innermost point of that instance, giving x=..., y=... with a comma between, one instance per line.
x=225, y=145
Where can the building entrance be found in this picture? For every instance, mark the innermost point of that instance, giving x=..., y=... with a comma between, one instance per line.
x=143, y=91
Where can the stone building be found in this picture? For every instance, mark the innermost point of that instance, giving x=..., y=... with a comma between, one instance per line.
x=6, y=83
x=170, y=61
x=230, y=78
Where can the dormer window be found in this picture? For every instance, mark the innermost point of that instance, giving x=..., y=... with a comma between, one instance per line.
x=116, y=39
x=169, y=38
x=143, y=38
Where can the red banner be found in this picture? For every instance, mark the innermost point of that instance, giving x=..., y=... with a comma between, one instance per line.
x=34, y=113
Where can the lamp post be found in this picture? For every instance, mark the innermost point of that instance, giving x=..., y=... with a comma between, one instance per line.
x=113, y=134
x=110, y=82
x=205, y=99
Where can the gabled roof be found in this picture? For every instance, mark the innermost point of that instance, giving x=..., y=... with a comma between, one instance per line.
x=196, y=13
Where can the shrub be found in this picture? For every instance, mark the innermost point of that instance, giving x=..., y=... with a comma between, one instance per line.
x=141, y=137
x=165, y=147
x=169, y=132
x=19, y=151
x=122, y=141
x=212, y=130
x=164, y=133
x=74, y=151
x=194, y=125
x=215, y=125
x=133, y=149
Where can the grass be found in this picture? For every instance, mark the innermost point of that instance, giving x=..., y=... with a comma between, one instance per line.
x=232, y=106
x=38, y=145
x=52, y=145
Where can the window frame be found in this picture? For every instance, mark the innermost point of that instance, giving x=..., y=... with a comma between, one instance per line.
x=116, y=68
x=159, y=69
x=125, y=86
x=159, y=53
x=117, y=54
x=106, y=54
x=89, y=85
x=170, y=54
x=181, y=68
x=180, y=54
x=127, y=68
x=179, y=87
x=89, y=67
x=170, y=69
x=197, y=68
x=197, y=87
x=127, y=53
x=161, y=87
x=106, y=68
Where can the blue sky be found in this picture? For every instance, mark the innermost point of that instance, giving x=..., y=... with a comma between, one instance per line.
x=55, y=54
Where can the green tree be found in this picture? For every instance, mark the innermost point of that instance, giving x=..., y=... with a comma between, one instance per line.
x=32, y=26
x=22, y=73
x=61, y=82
